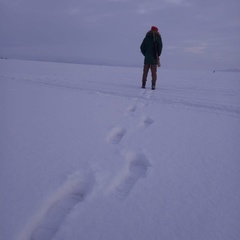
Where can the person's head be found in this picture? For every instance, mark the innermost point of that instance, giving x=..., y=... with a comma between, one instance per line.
x=155, y=29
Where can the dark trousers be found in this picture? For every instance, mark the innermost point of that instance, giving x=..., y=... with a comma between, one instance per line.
x=153, y=71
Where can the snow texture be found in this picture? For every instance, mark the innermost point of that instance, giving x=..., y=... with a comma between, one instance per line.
x=87, y=154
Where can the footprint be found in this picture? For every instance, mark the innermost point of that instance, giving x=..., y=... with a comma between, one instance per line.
x=49, y=220
x=146, y=121
x=132, y=108
x=137, y=168
x=116, y=134
x=138, y=164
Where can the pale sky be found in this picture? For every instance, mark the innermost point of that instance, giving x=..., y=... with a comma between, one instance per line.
x=196, y=34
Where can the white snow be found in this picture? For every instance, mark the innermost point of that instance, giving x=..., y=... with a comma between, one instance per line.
x=87, y=154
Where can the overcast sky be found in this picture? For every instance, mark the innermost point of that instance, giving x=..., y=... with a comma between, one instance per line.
x=196, y=34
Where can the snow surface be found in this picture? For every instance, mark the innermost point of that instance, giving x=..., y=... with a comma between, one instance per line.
x=87, y=154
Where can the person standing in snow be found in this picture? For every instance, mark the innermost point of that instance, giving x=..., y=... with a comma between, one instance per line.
x=151, y=49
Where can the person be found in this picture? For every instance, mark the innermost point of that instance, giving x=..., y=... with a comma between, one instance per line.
x=151, y=49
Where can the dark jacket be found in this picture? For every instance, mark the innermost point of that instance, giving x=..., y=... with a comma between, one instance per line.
x=151, y=47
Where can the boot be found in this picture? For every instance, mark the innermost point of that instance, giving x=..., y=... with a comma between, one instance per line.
x=154, y=76
x=143, y=84
x=153, y=85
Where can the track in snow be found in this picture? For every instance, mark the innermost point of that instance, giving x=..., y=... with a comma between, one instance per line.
x=137, y=163
x=184, y=97
x=48, y=221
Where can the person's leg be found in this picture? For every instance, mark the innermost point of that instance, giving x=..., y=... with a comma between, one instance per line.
x=145, y=73
x=154, y=75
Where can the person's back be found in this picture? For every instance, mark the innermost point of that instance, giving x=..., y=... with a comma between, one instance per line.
x=151, y=48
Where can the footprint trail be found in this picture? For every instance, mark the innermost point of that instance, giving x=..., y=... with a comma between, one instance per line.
x=47, y=223
x=137, y=164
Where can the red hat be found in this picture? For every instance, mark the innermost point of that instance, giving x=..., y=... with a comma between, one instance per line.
x=155, y=29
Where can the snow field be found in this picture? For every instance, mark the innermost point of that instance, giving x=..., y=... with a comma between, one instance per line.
x=86, y=153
